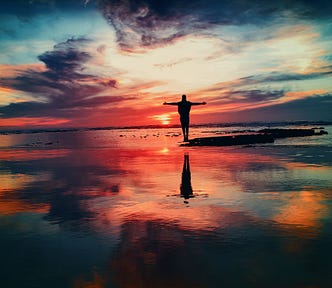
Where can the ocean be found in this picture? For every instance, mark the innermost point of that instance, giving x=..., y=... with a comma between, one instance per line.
x=130, y=207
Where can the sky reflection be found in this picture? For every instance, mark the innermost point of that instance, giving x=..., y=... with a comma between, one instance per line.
x=155, y=215
x=78, y=184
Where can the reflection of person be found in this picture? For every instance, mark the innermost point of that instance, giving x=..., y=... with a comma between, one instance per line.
x=185, y=188
x=184, y=107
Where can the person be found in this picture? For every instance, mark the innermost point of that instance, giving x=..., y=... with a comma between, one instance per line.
x=184, y=107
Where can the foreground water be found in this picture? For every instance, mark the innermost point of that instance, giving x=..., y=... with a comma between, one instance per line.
x=130, y=208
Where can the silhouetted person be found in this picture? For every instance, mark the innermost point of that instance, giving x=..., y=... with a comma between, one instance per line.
x=184, y=107
x=185, y=187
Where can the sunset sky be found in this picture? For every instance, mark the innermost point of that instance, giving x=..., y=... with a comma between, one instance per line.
x=92, y=63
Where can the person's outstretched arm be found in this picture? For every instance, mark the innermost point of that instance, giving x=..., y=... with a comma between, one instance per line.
x=170, y=103
x=198, y=103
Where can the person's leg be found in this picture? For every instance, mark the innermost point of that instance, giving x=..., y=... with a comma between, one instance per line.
x=183, y=126
x=187, y=132
x=186, y=129
x=184, y=133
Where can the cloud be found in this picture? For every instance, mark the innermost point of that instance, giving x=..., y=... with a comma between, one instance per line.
x=281, y=77
x=66, y=59
x=63, y=89
x=242, y=84
x=254, y=96
x=227, y=94
x=139, y=23
x=314, y=108
x=147, y=23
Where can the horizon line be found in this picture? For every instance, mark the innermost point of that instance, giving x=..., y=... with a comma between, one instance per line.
x=226, y=124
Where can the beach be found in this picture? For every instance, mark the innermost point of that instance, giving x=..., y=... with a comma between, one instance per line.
x=132, y=208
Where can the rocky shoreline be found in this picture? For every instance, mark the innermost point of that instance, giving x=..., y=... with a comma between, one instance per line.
x=261, y=136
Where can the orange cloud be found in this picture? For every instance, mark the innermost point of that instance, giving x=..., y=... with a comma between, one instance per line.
x=295, y=95
x=31, y=121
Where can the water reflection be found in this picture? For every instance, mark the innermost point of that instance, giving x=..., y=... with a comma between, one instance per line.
x=185, y=188
x=105, y=214
x=78, y=186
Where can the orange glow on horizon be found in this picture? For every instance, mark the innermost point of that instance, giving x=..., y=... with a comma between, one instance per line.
x=27, y=121
x=164, y=119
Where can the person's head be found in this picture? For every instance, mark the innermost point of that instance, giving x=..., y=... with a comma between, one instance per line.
x=184, y=97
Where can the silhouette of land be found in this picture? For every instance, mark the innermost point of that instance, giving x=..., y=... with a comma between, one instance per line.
x=261, y=136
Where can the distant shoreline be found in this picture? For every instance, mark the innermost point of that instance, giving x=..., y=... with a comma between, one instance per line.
x=210, y=125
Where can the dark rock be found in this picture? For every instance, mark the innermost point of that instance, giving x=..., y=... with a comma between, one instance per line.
x=230, y=140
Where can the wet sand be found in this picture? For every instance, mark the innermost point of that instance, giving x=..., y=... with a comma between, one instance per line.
x=132, y=208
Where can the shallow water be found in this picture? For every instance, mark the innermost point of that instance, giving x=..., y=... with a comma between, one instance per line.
x=133, y=209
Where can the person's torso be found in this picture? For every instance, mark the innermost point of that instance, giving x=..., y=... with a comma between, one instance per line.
x=184, y=108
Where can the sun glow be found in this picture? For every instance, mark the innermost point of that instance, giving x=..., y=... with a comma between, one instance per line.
x=164, y=119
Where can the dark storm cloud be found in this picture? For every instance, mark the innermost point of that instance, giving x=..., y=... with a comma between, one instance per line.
x=65, y=58
x=152, y=22
x=63, y=89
